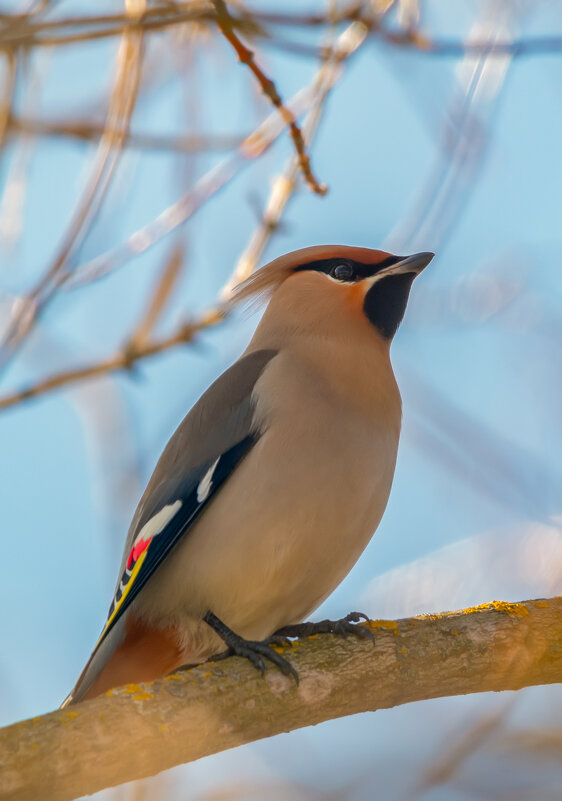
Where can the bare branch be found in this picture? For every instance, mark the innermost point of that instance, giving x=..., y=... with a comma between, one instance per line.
x=6, y=95
x=42, y=33
x=119, y=113
x=160, y=297
x=252, y=147
x=26, y=33
x=345, y=45
x=89, y=130
x=139, y=730
x=124, y=359
x=246, y=56
x=284, y=185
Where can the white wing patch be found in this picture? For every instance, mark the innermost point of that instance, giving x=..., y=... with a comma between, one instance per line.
x=206, y=483
x=156, y=523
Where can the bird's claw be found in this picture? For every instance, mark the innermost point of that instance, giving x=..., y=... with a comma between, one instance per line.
x=347, y=625
x=254, y=650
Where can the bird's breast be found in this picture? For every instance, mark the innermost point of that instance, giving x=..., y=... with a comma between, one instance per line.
x=295, y=515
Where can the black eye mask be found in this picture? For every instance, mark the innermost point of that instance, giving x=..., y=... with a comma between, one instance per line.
x=349, y=269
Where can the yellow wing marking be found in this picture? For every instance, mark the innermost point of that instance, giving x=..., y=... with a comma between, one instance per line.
x=119, y=604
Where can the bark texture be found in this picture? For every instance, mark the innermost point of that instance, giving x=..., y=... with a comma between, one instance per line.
x=139, y=730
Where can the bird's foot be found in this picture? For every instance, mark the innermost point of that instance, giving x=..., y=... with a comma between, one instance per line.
x=347, y=625
x=255, y=651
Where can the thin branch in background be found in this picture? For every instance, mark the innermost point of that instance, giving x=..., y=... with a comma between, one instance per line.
x=491, y=463
x=452, y=48
x=457, y=750
x=440, y=201
x=409, y=15
x=9, y=195
x=124, y=359
x=51, y=33
x=7, y=94
x=120, y=109
x=90, y=131
x=354, y=12
x=328, y=74
x=246, y=56
x=424, y=44
x=543, y=744
x=284, y=185
x=160, y=297
x=28, y=34
x=35, y=8
x=91, y=28
x=32, y=73
x=174, y=216
x=251, y=148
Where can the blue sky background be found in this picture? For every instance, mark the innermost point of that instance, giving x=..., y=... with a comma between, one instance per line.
x=420, y=152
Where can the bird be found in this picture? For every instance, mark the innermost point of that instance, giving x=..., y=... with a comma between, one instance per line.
x=275, y=481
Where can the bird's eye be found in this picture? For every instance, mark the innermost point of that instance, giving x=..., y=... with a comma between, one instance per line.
x=343, y=272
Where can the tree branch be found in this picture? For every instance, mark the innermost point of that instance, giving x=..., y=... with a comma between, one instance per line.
x=124, y=359
x=139, y=730
x=346, y=44
x=120, y=109
x=92, y=131
x=246, y=56
x=19, y=31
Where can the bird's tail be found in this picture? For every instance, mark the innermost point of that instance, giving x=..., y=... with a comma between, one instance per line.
x=132, y=652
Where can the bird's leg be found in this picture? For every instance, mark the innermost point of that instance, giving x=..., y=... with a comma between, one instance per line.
x=253, y=650
x=347, y=625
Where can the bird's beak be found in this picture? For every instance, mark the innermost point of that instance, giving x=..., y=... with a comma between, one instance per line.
x=410, y=264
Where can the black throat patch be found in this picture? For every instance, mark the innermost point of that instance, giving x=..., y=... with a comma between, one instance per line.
x=385, y=302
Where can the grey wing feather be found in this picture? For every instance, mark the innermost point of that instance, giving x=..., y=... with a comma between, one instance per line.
x=222, y=416
x=220, y=419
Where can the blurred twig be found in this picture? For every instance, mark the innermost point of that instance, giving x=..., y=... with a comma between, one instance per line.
x=443, y=769
x=328, y=74
x=252, y=147
x=285, y=184
x=119, y=113
x=28, y=33
x=544, y=744
x=463, y=143
x=7, y=94
x=89, y=131
x=487, y=461
x=31, y=75
x=124, y=359
x=166, y=283
x=89, y=28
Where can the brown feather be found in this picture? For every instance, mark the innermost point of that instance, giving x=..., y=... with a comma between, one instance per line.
x=146, y=654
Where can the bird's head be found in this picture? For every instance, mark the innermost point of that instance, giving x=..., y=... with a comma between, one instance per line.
x=317, y=285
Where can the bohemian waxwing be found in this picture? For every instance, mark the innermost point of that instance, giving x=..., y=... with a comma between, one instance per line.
x=274, y=483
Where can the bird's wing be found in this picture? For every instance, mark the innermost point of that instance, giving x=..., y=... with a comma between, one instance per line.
x=204, y=450
x=179, y=505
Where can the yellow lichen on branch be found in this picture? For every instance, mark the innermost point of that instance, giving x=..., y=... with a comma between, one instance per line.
x=138, y=730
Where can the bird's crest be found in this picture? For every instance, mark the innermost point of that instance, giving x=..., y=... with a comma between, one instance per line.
x=261, y=284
